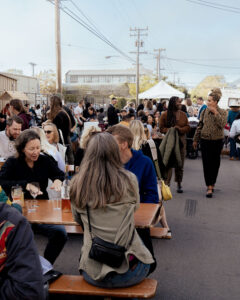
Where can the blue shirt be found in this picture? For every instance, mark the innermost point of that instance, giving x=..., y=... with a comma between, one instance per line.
x=143, y=168
x=231, y=116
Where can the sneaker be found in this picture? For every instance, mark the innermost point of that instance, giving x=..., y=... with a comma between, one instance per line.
x=231, y=158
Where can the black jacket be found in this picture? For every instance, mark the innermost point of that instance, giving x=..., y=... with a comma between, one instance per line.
x=16, y=171
x=62, y=121
x=20, y=269
x=112, y=114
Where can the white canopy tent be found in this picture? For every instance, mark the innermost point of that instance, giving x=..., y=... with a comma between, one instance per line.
x=161, y=90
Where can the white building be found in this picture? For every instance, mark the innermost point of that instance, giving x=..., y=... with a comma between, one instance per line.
x=101, y=83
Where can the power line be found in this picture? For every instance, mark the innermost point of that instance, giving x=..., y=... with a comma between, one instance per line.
x=203, y=65
x=98, y=34
x=213, y=5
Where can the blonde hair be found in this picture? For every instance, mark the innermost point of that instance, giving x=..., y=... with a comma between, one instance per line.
x=55, y=131
x=139, y=136
x=86, y=135
x=216, y=94
x=46, y=147
x=102, y=172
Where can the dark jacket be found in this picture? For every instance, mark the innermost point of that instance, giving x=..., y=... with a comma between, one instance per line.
x=143, y=168
x=16, y=171
x=68, y=110
x=112, y=114
x=62, y=121
x=20, y=269
x=26, y=120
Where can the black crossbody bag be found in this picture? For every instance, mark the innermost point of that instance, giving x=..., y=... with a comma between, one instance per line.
x=105, y=252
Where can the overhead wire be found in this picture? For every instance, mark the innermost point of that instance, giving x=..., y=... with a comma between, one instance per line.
x=216, y=6
x=97, y=33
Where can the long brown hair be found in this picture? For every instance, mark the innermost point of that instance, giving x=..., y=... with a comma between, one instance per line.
x=102, y=178
x=55, y=106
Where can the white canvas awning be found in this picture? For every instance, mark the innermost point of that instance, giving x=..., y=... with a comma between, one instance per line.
x=161, y=90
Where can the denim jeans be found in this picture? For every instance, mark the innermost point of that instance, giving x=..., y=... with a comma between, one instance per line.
x=115, y=280
x=233, y=151
x=57, y=237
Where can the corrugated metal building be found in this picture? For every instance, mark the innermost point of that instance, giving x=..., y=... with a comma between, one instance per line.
x=7, y=83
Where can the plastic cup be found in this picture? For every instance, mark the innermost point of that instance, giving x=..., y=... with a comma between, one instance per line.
x=57, y=203
x=30, y=206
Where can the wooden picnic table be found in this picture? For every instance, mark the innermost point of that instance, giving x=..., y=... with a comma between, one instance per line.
x=145, y=216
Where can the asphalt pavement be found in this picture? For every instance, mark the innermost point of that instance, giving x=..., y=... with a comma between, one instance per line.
x=202, y=260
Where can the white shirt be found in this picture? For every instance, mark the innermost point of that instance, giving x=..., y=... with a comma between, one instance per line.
x=235, y=129
x=7, y=147
x=78, y=111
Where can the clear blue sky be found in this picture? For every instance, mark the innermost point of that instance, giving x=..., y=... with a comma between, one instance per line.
x=187, y=30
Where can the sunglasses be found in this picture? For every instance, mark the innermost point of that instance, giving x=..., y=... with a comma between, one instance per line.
x=47, y=131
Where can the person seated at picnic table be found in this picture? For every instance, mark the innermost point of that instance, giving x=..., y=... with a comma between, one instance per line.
x=31, y=166
x=112, y=200
x=144, y=144
x=86, y=135
x=20, y=269
x=52, y=136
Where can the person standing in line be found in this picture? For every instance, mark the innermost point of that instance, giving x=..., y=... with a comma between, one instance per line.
x=17, y=109
x=234, y=132
x=201, y=106
x=177, y=119
x=112, y=113
x=210, y=134
x=59, y=116
x=232, y=114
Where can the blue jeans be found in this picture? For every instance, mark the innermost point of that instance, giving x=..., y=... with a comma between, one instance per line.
x=115, y=280
x=57, y=237
x=233, y=151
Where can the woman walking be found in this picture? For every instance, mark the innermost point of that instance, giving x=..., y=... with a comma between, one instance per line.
x=175, y=118
x=109, y=207
x=210, y=134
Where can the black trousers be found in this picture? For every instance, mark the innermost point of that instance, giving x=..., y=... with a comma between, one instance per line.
x=211, y=157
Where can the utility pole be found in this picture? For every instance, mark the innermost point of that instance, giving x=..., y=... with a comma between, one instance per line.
x=158, y=57
x=58, y=48
x=139, y=43
x=33, y=65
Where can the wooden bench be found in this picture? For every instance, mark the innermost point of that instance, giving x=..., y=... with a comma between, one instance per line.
x=76, y=285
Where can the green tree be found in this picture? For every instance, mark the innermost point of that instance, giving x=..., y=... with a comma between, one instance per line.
x=208, y=83
x=145, y=83
x=121, y=102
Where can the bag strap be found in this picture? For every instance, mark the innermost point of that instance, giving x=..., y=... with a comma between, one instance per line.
x=90, y=228
x=89, y=223
x=155, y=158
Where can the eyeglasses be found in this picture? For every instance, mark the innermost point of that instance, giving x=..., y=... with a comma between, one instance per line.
x=47, y=131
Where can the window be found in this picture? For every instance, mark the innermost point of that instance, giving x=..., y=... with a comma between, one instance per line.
x=73, y=78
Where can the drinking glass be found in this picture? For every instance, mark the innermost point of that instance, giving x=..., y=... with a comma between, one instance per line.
x=56, y=199
x=34, y=191
x=16, y=193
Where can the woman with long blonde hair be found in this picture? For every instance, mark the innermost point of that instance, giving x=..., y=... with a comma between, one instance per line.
x=142, y=142
x=111, y=194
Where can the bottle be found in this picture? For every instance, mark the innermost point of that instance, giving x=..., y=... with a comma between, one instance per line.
x=65, y=193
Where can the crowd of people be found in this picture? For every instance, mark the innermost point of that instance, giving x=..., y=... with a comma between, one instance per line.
x=120, y=155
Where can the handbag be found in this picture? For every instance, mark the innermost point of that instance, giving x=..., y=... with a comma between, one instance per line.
x=105, y=252
x=164, y=191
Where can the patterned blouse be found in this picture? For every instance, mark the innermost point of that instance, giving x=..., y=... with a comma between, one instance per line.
x=211, y=126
